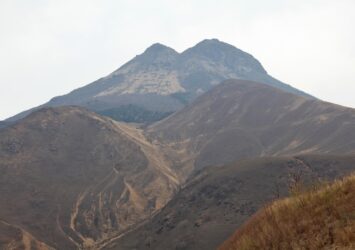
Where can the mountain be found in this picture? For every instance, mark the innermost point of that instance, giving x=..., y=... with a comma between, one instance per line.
x=71, y=179
x=3, y=124
x=219, y=200
x=161, y=81
x=272, y=136
x=240, y=119
x=326, y=221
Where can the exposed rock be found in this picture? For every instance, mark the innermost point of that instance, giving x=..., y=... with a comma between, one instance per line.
x=161, y=80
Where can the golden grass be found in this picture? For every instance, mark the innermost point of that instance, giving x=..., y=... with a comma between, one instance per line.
x=323, y=218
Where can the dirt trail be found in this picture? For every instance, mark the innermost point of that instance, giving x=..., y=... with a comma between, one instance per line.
x=157, y=161
x=152, y=151
x=109, y=179
x=73, y=216
x=28, y=239
x=64, y=233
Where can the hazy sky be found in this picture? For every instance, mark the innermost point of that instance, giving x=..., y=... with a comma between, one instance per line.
x=50, y=47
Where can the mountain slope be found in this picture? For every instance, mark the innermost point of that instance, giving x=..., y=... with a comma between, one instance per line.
x=240, y=119
x=70, y=178
x=162, y=81
x=320, y=219
x=2, y=125
x=218, y=200
x=74, y=179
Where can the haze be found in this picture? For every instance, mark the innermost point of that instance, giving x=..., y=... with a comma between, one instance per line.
x=49, y=48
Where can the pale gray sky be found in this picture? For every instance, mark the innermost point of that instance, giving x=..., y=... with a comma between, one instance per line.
x=50, y=47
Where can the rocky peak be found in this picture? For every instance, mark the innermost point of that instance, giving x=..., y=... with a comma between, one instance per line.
x=156, y=56
x=162, y=71
x=158, y=48
x=224, y=54
x=158, y=53
x=211, y=48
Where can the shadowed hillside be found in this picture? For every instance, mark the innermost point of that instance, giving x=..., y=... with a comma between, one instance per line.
x=323, y=218
x=220, y=199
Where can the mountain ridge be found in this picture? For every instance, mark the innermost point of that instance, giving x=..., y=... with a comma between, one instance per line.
x=75, y=179
x=252, y=120
x=163, y=80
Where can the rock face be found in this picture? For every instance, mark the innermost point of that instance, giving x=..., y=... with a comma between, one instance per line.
x=161, y=81
x=73, y=179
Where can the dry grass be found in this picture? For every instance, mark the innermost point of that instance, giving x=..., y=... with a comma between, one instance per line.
x=323, y=218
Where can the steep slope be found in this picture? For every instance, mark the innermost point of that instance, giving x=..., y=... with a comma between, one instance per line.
x=212, y=61
x=241, y=119
x=161, y=81
x=320, y=219
x=218, y=200
x=70, y=178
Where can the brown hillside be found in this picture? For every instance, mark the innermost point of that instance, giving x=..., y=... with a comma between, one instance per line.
x=72, y=178
x=241, y=119
x=220, y=199
x=320, y=219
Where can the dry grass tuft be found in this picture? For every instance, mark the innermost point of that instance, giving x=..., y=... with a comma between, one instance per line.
x=323, y=218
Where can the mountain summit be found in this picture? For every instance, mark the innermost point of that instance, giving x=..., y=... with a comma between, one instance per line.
x=226, y=54
x=156, y=53
x=161, y=81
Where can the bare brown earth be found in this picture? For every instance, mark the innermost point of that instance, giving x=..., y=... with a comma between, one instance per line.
x=13, y=237
x=74, y=179
x=243, y=119
x=219, y=200
x=237, y=121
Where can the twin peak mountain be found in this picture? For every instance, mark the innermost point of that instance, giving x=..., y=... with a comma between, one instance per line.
x=161, y=81
x=73, y=179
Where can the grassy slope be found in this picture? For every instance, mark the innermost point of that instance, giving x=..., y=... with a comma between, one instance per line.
x=323, y=218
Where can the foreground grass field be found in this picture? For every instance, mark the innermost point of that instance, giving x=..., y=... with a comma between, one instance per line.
x=323, y=218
